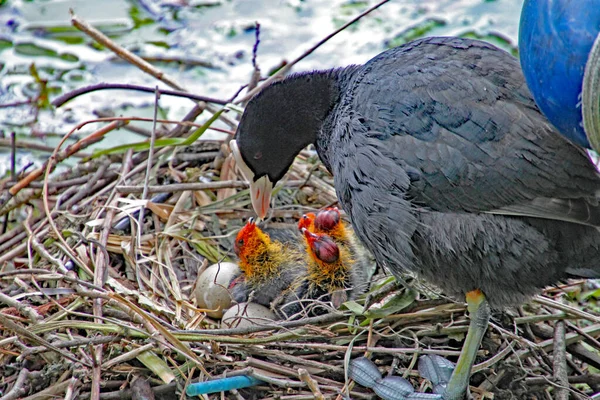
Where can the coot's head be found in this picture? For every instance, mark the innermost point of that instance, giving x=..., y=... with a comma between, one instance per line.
x=276, y=125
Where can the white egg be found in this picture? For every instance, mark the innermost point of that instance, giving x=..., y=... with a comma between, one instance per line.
x=211, y=288
x=244, y=315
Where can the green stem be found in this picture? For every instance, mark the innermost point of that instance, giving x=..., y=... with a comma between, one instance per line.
x=591, y=96
x=480, y=315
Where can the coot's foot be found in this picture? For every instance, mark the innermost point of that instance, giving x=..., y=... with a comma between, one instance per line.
x=450, y=382
x=435, y=368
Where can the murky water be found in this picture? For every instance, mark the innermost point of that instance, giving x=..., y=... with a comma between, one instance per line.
x=210, y=44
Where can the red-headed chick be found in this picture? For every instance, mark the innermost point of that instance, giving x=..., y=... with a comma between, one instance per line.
x=329, y=277
x=268, y=267
x=329, y=221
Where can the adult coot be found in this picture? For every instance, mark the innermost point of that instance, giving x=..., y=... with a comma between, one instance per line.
x=445, y=167
x=559, y=46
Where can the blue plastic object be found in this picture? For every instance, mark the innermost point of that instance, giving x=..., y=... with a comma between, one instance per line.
x=221, y=385
x=555, y=39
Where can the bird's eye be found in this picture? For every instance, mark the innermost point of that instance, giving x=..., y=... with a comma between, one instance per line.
x=258, y=155
x=240, y=242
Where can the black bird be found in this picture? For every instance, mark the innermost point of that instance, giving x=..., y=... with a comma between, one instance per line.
x=445, y=167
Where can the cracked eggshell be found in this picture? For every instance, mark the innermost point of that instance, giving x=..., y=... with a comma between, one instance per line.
x=245, y=315
x=211, y=288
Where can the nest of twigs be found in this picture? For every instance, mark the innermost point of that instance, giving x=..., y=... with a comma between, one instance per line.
x=96, y=297
x=98, y=261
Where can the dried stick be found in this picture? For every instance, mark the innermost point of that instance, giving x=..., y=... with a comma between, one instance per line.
x=560, y=362
x=9, y=324
x=135, y=60
x=59, y=101
x=130, y=355
x=70, y=150
x=25, y=310
x=566, y=308
x=32, y=146
x=59, y=156
x=179, y=187
x=311, y=383
x=288, y=66
x=19, y=388
x=121, y=52
x=39, y=248
x=570, y=338
x=148, y=164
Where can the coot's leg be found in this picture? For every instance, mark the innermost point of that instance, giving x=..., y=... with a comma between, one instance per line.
x=480, y=316
x=590, y=100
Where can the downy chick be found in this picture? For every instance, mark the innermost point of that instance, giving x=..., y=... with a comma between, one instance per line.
x=329, y=221
x=268, y=267
x=329, y=277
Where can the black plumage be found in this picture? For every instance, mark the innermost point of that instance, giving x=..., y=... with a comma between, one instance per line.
x=443, y=163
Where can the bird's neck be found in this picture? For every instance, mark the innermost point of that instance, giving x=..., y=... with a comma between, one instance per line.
x=329, y=276
x=262, y=260
x=315, y=95
x=323, y=133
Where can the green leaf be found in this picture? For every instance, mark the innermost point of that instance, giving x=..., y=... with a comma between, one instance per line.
x=397, y=303
x=5, y=44
x=157, y=365
x=415, y=32
x=32, y=49
x=139, y=18
x=354, y=307
x=159, y=143
x=381, y=283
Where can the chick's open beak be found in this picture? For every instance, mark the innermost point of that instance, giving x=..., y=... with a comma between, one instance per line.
x=260, y=189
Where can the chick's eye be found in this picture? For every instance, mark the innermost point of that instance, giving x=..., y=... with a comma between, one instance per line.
x=240, y=242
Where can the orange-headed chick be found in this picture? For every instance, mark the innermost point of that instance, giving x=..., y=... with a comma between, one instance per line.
x=329, y=277
x=307, y=221
x=268, y=267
